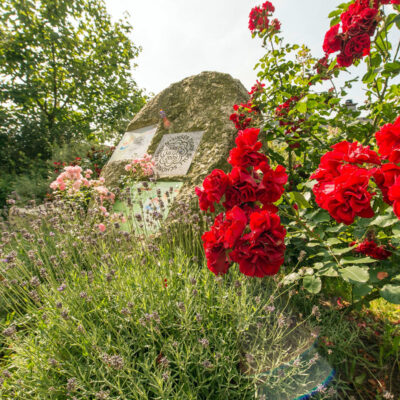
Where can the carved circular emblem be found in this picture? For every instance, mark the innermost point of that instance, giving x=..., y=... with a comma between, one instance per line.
x=175, y=152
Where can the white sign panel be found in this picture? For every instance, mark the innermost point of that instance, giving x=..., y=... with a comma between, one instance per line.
x=134, y=144
x=175, y=153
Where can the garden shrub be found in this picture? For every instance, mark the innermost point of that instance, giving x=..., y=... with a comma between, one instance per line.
x=323, y=146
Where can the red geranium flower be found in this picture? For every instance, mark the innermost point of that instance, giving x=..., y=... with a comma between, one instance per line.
x=236, y=221
x=246, y=153
x=242, y=115
x=214, y=187
x=344, y=61
x=258, y=18
x=204, y=203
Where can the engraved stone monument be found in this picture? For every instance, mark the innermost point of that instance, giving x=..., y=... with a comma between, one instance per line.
x=175, y=153
x=198, y=136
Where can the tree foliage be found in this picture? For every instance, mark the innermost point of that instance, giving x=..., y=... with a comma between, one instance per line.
x=65, y=74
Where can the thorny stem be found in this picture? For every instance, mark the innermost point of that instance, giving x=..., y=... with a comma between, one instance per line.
x=334, y=86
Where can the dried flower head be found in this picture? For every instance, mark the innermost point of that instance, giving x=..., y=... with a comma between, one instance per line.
x=115, y=361
x=204, y=342
x=71, y=385
x=10, y=331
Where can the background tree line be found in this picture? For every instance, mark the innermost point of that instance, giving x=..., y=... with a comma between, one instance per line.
x=65, y=80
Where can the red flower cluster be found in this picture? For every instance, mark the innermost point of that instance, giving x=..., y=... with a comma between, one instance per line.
x=283, y=109
x=98, y=158
x=357, y=25
x=242, y=115
x=344, y=173
x=256, y=90
x=385, y=177
x=322, y=67
x=58, y=165
x=388, y=141
x=249, y=232
x=343, y=178
x=259, y=19
x=261, y=252
x=371, y=249
x=394, y=196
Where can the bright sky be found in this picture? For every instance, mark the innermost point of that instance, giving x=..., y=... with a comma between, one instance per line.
x=185, y=37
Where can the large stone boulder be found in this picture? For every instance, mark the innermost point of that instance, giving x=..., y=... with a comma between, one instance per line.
x=199, y=103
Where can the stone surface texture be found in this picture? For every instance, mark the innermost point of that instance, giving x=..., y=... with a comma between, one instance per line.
x=201, y=102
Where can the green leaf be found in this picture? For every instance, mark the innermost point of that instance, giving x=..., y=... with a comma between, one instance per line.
x=397, y=21
x=359, y=380
x=376, y=60
x=337, y=228
x=327, y=270
x=293, y=277
x=312, y=283
x=334, y=13
x=369, y=76
x=318, y=216
x=333, y=241
x=355, y=260
x=338, y=252
x=391, y=293
x=361, y=290
x=301, y=106
x=396, y=231
x=333, y=65
x=392, y=19
x=335, y=21
x=393, y=67
x=354, y=274
x=383, y=221
x=300, y=200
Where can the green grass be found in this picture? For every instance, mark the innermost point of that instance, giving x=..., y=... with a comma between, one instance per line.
x=111, y=316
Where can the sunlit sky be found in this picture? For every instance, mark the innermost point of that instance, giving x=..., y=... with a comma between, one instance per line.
x=180, y=38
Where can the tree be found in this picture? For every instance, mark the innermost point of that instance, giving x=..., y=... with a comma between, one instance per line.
x=65, y=74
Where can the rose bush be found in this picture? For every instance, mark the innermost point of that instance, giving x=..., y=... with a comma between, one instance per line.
x=334, y=196
x=77, y=189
